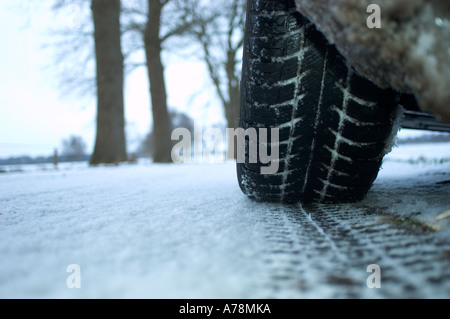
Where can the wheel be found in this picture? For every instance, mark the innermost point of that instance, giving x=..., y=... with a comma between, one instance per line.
x=334, y=126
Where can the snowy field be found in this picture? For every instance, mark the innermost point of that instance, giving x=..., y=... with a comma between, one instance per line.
x=187, y=231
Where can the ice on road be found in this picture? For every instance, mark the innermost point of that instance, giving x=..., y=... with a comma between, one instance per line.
x=187, y=231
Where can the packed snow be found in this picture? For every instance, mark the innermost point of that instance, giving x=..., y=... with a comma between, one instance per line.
x=166, y=231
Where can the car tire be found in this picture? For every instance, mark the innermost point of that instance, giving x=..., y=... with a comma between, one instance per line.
x=334, y=126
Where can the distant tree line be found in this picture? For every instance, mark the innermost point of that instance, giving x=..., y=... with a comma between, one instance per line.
x=426, y=138
x=23, y=160
x=73, y=149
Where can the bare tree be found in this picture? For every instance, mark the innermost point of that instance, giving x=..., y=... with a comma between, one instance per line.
x=72, y=45
x=155, y=22
x=157, y=31
x=155, y=69
x=110, y=144
x=218, y=29
x=89, y=59
x=73, y=148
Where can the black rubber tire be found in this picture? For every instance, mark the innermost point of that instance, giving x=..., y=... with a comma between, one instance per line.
x=334, y=126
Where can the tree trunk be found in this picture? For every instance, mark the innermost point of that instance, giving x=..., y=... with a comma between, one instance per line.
x=110, y=143
x=233, y=103
x=232, y=117
x=161, y=121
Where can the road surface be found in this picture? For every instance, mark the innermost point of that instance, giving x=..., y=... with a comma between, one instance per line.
x=187, y=231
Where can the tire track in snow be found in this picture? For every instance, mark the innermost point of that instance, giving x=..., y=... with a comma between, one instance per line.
x=324, y=251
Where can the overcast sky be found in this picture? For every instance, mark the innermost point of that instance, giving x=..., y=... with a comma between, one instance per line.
x=35, y=117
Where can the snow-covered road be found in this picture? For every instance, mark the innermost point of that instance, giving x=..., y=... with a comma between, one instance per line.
x=187, y=231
